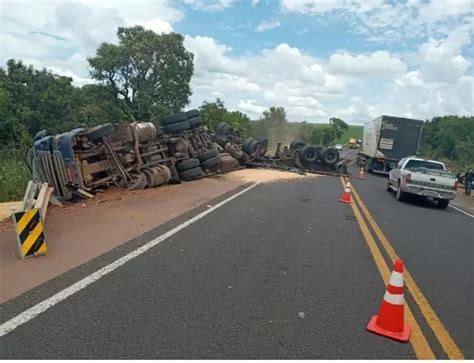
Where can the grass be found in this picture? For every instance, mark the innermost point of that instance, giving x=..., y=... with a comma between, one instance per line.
x=14, y=175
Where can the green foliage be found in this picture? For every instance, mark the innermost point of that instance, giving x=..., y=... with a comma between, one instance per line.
x=213, y=113
x=450, y=139
x=148, y=74
x=14, y=175
x=328, y=134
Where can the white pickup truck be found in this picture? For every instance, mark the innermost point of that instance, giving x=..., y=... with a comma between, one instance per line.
x=422, y=177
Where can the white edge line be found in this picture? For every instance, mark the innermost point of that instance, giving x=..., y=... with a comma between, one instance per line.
x=462, y=211
x=41, y=307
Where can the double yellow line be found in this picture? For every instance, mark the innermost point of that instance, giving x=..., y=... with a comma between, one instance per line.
x=418, y=340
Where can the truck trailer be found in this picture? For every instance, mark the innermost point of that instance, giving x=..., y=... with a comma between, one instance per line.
x=386, y=140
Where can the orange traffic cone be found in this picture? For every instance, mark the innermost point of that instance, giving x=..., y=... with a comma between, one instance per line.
x=362, y=174
x=347, y=196
x=390, y=320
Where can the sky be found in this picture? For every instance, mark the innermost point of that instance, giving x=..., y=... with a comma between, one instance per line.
x=351, y=59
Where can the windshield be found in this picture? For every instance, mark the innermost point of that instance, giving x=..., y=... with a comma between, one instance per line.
x=417, y=164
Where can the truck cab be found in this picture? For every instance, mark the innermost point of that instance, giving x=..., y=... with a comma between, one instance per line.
x=422, y=177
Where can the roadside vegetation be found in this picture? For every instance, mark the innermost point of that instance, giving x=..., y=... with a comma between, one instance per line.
x=131, y=84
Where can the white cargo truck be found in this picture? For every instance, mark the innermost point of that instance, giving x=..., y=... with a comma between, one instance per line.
x=386, y=140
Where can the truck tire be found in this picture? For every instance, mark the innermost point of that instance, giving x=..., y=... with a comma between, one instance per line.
x=175, y=118
x=192, y=113
x=191, y=173
x=251, y=147
x=187, y=164
x=98, y=132
x=233, y=151
x=263, y=146
x=401, y=196
x=212, y=162
x=176, y=127
x=329, y=156
x=309, y=154
x=195, y=122
x=442, y=203
x=207, y=155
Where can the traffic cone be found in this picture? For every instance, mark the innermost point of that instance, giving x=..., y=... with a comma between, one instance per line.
x=390, y=320
x=347, y=196
x=362, y=174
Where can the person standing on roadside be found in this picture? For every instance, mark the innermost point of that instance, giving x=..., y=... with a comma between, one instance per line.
x=468, y=178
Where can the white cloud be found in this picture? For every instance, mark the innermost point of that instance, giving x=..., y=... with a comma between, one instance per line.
x=266, y=25
x=209, y=5
x=255, y=2
x=156, y=25
x=376, y=65
x=358, y=111
x=382, y=20
x=441, y=60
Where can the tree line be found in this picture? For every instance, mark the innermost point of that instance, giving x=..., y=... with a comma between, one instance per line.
x=147, y=75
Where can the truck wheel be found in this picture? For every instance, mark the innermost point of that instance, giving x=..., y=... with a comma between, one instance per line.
x=207, y=155
x=330, y=156
x=442, y=203
x=175, y=118
x=187, y=164
x=401, y=196
x=191, y=173
x=176, y=127
x=309, y=154
x=263, y=141
x=195, y=122
x=212, y=162
x=192, y=113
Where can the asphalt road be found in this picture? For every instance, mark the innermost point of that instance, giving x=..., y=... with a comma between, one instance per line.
x=282, y=271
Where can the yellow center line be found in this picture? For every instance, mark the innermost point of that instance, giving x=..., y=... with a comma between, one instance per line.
x=418, y=340
x=441, y=333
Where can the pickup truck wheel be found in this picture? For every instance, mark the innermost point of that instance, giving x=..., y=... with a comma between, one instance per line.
x=442, y=203
x=401, y=196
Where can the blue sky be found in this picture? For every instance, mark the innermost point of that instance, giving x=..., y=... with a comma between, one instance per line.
x=317, y=58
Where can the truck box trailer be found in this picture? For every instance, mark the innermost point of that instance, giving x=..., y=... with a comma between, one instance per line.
x=386, y=140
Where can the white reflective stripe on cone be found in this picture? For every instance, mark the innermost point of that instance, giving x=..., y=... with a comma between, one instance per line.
x=396, y=279
x=394, y=299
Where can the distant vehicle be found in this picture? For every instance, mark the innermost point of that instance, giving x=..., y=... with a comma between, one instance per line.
x=426, y=178
x=386, y=140
x=338, y=147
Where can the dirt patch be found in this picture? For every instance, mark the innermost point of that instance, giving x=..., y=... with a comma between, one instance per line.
x=7, y=208
x=263, y=176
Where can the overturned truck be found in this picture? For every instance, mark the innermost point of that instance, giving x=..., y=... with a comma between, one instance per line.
x=142, y=155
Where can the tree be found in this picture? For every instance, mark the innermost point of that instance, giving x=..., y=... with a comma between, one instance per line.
x=213, y=113
x=148, y=74
x=96, y=106
x=339, y=126
x=326, y=135
x=274, y=115
x=33, y=100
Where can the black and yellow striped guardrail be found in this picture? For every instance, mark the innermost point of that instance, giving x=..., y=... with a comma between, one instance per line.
x=29, y=230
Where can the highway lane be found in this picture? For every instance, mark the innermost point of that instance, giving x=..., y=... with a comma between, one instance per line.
x=437, y=248
x=283, y=271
